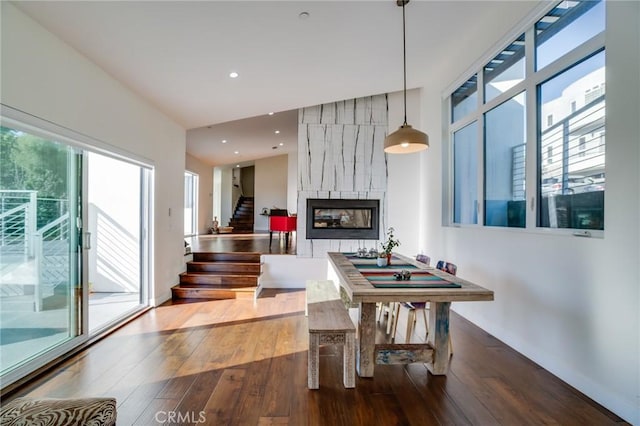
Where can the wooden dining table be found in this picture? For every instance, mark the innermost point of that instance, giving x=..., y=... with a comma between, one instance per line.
x=365, y=285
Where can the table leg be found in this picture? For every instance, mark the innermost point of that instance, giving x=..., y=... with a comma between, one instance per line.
x=286, y=241
x=270, y=238
x=367, y=340
x=312, y=361
x=439, y=337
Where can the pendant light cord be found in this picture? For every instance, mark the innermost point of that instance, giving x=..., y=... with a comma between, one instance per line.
x=404, y=56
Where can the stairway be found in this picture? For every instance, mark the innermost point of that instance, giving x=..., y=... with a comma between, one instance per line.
x=219, y=276
x=242, y=220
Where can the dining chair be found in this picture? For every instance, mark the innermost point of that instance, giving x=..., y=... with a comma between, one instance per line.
x=447, y=267
x=413, y=307
x=391, y=308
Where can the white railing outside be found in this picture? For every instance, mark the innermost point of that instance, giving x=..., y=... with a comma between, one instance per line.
x=18, y=221
x=52, y=258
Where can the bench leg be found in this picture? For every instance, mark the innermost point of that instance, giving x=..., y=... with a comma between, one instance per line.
x=312, y=362
x=349, y=360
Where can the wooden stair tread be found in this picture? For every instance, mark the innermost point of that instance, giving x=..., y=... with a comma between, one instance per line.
x=239, y=287
x=224, y=263
x=214, y=273
x=180, y=292
x=219, y=275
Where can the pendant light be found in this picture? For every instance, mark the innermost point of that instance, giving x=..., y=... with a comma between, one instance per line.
x=406, y=139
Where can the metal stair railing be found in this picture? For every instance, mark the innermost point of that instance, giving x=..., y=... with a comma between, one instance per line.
x=18, y=221
x=52, y=257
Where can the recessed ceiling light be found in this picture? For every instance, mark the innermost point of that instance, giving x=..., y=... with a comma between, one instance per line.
x=303, y=15
x=237, y=165
x=281, y=144
x=224, y=141
x=236, y=152
x=270, y=113
x=274, y=147
x=233, y=74
x=277, y=131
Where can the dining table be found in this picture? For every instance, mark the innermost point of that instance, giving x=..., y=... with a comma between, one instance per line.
x=365, y=284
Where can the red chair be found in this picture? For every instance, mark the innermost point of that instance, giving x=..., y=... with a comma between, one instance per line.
x=285, y=223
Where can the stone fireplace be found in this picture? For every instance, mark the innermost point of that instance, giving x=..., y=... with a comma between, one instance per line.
x=341, y=158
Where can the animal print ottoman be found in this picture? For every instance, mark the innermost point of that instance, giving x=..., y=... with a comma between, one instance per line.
x=59, y=412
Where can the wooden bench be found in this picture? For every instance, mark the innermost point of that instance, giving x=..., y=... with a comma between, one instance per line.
x=329, y=324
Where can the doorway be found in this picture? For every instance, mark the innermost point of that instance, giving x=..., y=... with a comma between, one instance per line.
x=117, y=232
x=74, y=241
x=190, y=204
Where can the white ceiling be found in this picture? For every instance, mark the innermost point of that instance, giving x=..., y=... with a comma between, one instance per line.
x=178, y=55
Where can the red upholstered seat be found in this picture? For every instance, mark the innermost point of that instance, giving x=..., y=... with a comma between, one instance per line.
x=282, y=223
x=286, y=224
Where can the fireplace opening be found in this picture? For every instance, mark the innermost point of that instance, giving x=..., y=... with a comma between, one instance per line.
x=343, y=219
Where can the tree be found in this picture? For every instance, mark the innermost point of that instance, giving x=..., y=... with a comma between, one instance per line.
x=28, y=162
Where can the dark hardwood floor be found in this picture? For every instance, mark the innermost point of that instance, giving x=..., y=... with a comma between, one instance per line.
x=236, y=362
x=258, y=242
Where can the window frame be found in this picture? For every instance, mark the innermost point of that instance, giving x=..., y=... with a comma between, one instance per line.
x=529, y=85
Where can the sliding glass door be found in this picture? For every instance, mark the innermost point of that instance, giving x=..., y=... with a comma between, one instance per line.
x=117, y=226
x=40, y=253
x=74, y=241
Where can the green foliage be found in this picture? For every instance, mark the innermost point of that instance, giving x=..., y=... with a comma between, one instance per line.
x=38, y=165
x=11, y=176
x=28, y=162
x=388, y=246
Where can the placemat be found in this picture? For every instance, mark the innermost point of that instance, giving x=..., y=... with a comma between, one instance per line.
x=421, y=279
x=394, y=267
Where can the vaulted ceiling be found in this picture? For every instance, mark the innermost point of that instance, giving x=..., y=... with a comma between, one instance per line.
x=178, y=55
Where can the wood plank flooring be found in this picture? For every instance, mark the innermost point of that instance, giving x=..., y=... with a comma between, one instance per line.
x=257, y=242
x=233, y=362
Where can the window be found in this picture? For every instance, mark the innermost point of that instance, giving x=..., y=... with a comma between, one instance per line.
x=505, y=70
x=567, y=132
x=504, y=148
x=465, y=99
x=465, y=159
x=565, y=27
x=579, y=201
x=581, y=146
x=190, y=204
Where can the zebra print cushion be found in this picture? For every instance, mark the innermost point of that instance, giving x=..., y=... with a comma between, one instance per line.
x=59, y=412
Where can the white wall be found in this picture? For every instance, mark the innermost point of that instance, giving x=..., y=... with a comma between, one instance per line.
x=292, y=182
x=404, y=177
x=226, y=196
x=205, y=191
x=570, y=304
x=284, y=271
x=44, y=77
x=217, y=193
x=270, y=188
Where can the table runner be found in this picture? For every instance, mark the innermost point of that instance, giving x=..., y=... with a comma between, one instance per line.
x=421, y=279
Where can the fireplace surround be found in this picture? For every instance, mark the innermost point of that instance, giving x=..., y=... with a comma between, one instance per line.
x=343, y=219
